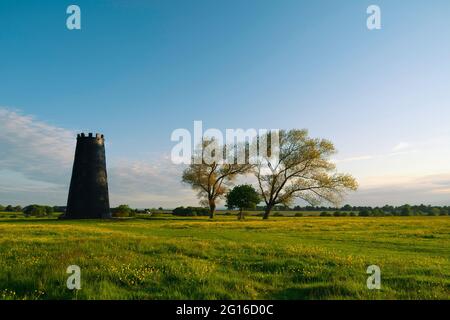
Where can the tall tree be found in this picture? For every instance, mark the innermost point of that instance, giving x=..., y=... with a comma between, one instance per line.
x=301, y=170
x=212, y=178
x=243, y=197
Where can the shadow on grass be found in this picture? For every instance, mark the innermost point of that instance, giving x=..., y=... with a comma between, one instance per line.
x=26, y=220
x=111, y=220
x=28, y=289
x=314, y=292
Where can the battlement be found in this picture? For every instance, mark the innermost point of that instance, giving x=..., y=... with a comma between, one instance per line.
x=90, y=135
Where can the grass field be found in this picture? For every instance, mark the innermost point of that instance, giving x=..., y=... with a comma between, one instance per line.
x=194, y=258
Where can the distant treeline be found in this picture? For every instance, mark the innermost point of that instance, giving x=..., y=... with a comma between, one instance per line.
x=347, y=210
x=190, y=211
x=32, y=209
x=387, y=210
x=405, y=210
x=11, y=208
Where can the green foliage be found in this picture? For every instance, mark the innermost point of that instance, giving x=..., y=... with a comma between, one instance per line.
x=340, y=214
x=277, y=214
x=444, y=212
x=299, y=214
x=407, y=211
x=123, y=211
x=242, y=197
x=11, y=208
x=364, y=213
x=35, y=210
x=434, y=212
x=49, y=210
x=347, y=207
x=190, y=211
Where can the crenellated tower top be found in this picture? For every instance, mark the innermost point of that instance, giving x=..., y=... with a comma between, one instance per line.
x=90, y=135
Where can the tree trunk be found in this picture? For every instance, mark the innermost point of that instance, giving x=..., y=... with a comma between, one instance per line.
x=267, y=212
x=212, y=208
x=241, y=215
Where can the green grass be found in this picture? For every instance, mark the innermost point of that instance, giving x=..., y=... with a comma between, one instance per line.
x=194, y=258
x=290, y=213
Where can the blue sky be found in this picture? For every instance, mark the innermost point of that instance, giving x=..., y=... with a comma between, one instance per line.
x=140, y=69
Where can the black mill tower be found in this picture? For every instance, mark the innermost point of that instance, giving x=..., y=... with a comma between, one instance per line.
x=88, y=193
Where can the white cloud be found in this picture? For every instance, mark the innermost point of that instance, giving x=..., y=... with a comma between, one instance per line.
x=351, y=159
x=398, y=190
x=36, y=161
x=40, y=151
x=156, y=183
x=398, y=150
x=401, y=146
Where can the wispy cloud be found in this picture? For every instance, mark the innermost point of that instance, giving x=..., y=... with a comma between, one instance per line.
x=36, y=160
x=356, y=158
x=37, y=150
x=401, y=146
x=399, y=149
x=144, y=183
x=397, y=190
